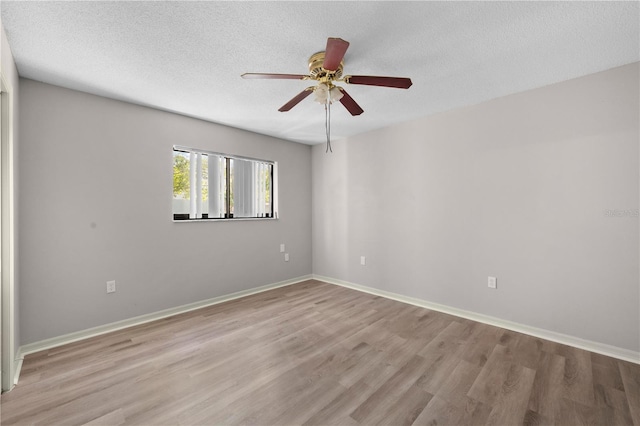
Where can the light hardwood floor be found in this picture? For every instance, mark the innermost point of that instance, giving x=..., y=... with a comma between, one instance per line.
x=315, y=353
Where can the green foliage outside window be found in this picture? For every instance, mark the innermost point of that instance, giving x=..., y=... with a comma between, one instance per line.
x=181, y=186
x=181, y=170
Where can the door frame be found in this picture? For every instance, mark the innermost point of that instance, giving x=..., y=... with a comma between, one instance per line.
x=7, y=237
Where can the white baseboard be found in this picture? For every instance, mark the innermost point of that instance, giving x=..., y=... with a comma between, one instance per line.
x=114, y=326
x=17, y=366
x=601, y=348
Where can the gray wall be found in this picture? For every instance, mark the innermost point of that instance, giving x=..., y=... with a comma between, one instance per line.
x=95, y=205
x=515, y=188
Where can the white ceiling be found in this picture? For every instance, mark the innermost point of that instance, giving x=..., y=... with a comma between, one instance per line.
x=187, y=57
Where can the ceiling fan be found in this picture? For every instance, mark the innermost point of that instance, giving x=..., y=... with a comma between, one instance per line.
x=326, y=68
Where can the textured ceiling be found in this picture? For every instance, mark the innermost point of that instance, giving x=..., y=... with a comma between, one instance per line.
x=187, y=57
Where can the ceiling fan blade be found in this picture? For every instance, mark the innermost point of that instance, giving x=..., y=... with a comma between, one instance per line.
x=258, y=75
x=397, y=82
x=336, y=48
x=296, y=100
x=349, y=103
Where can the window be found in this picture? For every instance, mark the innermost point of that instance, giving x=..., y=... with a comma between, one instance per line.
x=209, y=185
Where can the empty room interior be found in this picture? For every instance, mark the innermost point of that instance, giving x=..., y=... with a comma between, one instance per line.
x=320, y=213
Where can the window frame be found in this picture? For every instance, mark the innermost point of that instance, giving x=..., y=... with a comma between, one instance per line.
x=273, y=185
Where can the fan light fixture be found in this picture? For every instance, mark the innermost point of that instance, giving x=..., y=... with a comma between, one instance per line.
x=326, y=68
x=326, y=94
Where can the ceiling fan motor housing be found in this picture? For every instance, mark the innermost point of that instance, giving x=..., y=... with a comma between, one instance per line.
x=317, y=72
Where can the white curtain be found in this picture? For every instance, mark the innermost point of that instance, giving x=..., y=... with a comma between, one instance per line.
x=217, y=186
x=249, y=188
x=193, y=190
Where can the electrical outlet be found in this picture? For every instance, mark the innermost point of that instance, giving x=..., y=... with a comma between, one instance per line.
x=286, y=257
x=363, y=260
x=492, y=282
x=111, y=286
x=281, y=248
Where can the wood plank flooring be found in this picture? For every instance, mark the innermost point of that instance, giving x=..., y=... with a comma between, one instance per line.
x=319, y=354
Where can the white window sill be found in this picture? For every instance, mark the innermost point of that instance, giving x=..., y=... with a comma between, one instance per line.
x=236, y=219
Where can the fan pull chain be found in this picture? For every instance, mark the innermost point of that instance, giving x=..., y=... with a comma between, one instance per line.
x=327, y=125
